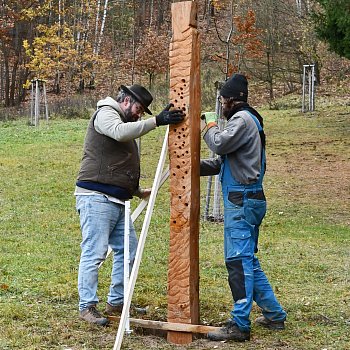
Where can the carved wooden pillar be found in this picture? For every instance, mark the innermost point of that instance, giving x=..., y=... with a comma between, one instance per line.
x=184, y=154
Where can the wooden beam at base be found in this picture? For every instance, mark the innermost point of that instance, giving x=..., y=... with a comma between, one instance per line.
x=168, y=326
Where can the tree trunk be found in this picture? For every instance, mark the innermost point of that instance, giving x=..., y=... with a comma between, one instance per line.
x=7, y=81
x=103, y=22
x=269, y=77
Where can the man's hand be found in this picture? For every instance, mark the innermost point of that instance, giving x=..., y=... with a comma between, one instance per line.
x=144, y=193
x=170, y=117
x=209, y=117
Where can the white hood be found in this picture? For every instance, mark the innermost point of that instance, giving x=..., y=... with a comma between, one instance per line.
x=108, y=101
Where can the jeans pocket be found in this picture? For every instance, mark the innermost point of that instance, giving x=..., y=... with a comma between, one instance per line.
x=255, y=211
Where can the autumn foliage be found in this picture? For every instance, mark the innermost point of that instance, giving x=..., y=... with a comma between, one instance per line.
x=151, y=56
x=245, y=41
x=96, y=45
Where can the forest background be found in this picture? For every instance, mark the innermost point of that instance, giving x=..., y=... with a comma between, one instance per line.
x=84, y=49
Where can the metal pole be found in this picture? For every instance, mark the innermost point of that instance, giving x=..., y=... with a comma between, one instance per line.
x=212, y=155
x=313, y=87
x=32, y=105
x=141, y=244
x=309, y=79
x=303, y=99
x=36, y=108
x=45, y=101
x=207, y=197
x=127, y=260
x=217, y=188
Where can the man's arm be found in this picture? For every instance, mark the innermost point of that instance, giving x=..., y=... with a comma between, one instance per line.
x=210, y=166
x=108, y=122
x=228, y=140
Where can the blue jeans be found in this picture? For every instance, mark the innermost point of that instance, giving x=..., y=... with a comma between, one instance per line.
x=248, y=282
x=102, y=224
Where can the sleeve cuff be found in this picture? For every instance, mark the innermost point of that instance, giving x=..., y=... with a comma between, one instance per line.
x=208, y=126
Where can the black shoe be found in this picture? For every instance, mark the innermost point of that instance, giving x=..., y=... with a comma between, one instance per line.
x=274, y=325
x=91, y=315
x=229, y=332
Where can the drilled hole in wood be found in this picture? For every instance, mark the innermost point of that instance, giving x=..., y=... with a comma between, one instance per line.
x=175, y=130
x=184, y=187
x=179, y=197
x=175, y=101
x=186, y=204
x=184, y=108
x=183, y=129
x=174, y=174
x=186, y=172
x=178, y=166
x=186, y=152
x=183, y=80
x=179, y=137
x=174, y=222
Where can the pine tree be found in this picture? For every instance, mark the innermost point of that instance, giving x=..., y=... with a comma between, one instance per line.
x=333, y=25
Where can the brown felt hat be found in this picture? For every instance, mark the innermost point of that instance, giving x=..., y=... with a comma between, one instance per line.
x=140, y=94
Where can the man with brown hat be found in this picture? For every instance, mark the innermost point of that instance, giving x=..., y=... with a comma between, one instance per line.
x=241, y=146
x=109, y=175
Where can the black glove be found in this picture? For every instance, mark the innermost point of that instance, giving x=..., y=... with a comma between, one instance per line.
x=170, y=117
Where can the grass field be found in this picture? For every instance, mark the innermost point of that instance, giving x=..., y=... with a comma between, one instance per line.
x=304, y=244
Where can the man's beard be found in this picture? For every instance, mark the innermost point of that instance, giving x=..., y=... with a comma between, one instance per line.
x=226, y=110
x=129, y=116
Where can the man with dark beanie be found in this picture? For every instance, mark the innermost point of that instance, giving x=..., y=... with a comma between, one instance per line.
x=109, y=175
x=242, y=164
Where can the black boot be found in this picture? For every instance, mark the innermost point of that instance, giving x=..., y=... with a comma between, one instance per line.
x=229, y=332
x=274, y=325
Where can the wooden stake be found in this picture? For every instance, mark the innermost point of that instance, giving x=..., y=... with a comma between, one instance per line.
x=140, y=246
x=184, y=154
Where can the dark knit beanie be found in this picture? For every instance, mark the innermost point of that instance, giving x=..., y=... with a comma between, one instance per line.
x=236, y=87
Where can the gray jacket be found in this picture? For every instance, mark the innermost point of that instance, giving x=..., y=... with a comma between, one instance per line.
x=240, y=141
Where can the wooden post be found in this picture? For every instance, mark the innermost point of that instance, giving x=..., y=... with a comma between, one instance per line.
x=184, y=154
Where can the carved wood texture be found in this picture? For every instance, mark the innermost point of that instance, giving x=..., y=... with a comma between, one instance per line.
x=184, y=154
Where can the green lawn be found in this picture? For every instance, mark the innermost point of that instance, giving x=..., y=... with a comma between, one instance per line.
x=304, y=244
